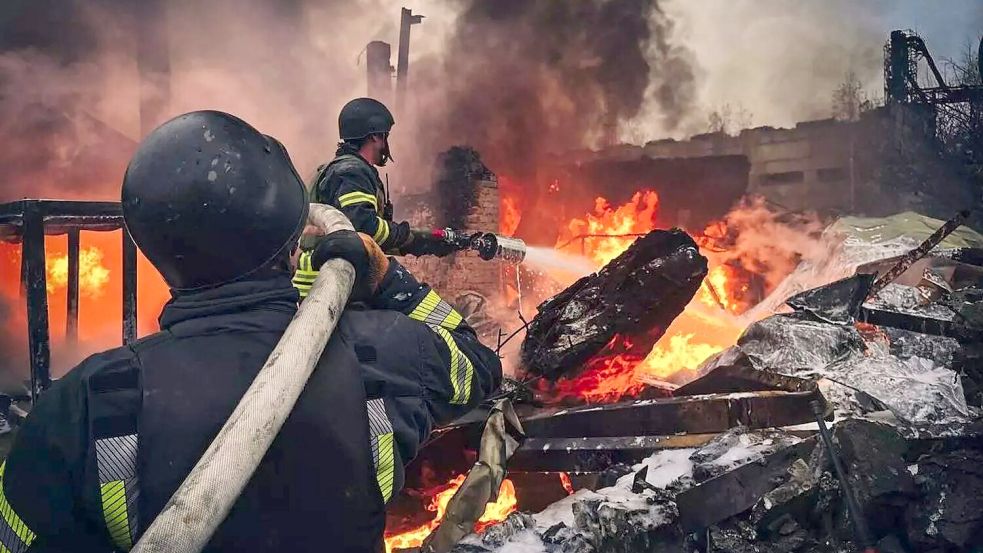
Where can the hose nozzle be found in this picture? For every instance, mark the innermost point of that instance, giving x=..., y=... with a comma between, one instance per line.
x=488, y=244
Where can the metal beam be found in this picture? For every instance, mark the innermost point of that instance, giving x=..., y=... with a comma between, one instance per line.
x=406, y=21
x=72, y=307
x=37, y=298
x=129, y=288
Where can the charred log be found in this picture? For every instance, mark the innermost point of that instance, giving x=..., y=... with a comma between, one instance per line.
x=622, y=309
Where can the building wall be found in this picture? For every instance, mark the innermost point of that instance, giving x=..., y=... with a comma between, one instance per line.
x=462, y=272
x=810, y=166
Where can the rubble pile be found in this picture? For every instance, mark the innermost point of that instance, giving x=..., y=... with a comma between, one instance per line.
x=901, y=375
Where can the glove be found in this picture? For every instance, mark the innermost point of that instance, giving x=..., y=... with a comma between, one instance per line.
x=359, y=250
x=423, y=242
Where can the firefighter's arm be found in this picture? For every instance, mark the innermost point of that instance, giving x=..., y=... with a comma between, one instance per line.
x=356, y=198
x=458, y=371
x=39, y=480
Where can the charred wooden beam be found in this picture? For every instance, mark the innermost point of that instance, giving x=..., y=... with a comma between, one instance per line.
x=37, y=297
x=129, y=288
x=694, y=414
x=594, y=454
x=635, y=297
x=72, y=306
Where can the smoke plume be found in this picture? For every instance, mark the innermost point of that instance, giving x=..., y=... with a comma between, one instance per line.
x=522, y=79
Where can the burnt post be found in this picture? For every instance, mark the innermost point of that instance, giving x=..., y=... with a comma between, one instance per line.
x=406, y=21
x=897, y=68
x=379, y=70
x=37, y=297
x=129, y=288
x=72, y=306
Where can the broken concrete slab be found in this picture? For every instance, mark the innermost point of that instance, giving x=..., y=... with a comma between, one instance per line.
x=634, y=297
x=794, y=343
x=733, y=370
x=836, y=303
x=737, y=490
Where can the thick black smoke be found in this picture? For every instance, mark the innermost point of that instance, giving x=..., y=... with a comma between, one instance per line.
x=525, y=78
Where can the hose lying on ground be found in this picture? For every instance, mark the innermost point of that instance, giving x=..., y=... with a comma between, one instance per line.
x=204, y=499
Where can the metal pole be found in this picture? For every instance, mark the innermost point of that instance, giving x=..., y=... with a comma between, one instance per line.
x=852, y=506
x=407, y=20
x=72, y=307
x=37, y=298
x=129, y=288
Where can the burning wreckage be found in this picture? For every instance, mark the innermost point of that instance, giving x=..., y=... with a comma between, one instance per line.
x=849, y=419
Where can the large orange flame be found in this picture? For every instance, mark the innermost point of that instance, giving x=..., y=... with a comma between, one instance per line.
x=495, y=511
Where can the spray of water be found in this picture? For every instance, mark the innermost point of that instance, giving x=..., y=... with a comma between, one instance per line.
x=558, y=263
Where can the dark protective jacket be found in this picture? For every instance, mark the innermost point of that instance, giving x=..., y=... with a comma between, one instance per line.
x=352, y=184
x=107, y=445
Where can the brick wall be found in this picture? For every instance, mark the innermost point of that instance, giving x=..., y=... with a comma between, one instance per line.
x=461, y=272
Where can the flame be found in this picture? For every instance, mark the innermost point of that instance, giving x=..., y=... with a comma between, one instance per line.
x=495, y=511
x=93, y=275
x=604, y=234
x=566, y=483
x=100, y=298
x=705, y=327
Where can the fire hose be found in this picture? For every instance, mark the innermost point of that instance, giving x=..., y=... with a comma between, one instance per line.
x=206, y=496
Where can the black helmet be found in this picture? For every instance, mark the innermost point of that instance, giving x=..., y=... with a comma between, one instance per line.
x=362, y=117
x=209, y=199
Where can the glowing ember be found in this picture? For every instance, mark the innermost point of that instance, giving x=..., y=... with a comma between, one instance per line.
x=706, y=327
x=93, y=276
x=566, y=483
x=494, y=512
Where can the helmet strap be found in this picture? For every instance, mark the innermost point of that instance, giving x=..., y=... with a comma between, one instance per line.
x=385, y=154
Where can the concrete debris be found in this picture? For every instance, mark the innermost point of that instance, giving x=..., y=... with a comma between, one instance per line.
x=950, y=515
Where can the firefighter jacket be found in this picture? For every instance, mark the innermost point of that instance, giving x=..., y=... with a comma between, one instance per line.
x=107, y=445
x=352, y=184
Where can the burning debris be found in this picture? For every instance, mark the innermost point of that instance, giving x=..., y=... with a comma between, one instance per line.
x=623, y=309
x=730, y=462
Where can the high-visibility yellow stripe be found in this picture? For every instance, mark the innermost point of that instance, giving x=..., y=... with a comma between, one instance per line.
x=352, y=198
x=381, y=231
x=114, y=511
x=434, y=310
x=305, y=275
x=15, y=523
x=385, y=470
x=425, y=307
x=452, y=320
x=461, y=369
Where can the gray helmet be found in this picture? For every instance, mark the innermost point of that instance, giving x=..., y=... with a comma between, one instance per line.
x=362, y=117
x=210, y=200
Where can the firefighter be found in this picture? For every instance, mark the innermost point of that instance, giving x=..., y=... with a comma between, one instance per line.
x=351, y=183
x=217, y=207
